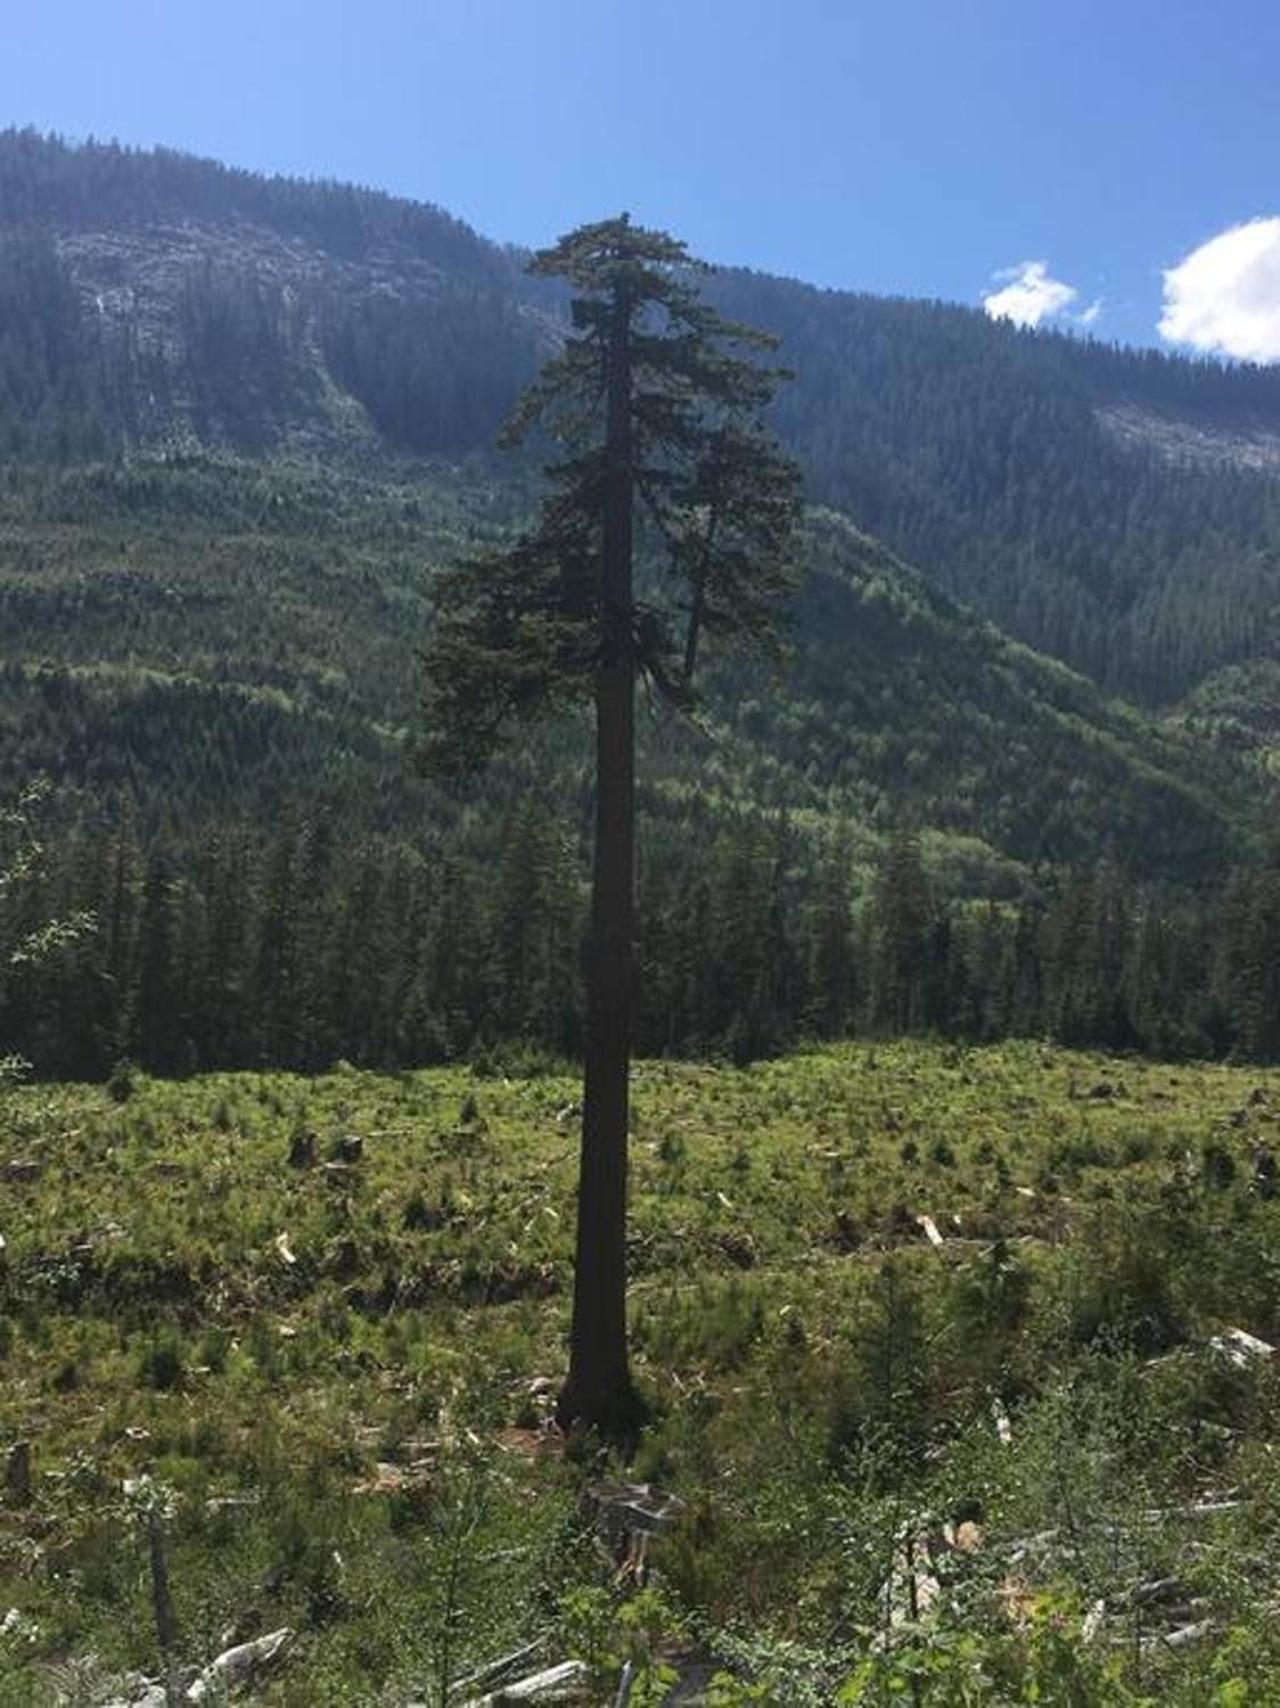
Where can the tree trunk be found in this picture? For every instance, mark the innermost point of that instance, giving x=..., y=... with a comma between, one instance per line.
x=162, y=1602
x=693, y=632
x=598, y=1392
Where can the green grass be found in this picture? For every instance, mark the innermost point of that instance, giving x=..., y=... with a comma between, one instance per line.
x=267, y=1341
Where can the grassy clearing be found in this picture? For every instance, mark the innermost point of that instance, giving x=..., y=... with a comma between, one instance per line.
x=340, y=1371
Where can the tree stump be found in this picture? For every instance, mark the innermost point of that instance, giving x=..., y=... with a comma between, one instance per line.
x=302, y=1150
x=17, y=1476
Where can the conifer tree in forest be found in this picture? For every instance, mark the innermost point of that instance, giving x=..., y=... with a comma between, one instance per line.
x=27, y=940
x=670, y=520
x=903, y=915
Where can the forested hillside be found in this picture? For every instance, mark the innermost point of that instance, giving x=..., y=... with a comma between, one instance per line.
x=216, y=659
x=1116, y=509
x=245, y=422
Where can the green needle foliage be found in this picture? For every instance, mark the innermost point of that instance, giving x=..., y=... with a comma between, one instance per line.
x=521, y=629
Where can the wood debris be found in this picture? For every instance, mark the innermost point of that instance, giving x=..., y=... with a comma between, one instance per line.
x=492, y=1673
x=389, y=1479
x=929, y=1228
x=151, y=1695
x=630, y=1516
x=638, y=1508
x=234, y=1666
x=17, y=1624
x=911, y=1587
x=1242, y=1349
x=567, y=1682
x=229, y=1503
x=1182, y=1638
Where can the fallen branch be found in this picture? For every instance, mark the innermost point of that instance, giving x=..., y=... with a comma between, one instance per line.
x=234, y=1666
x=564, y=1683
x=494, y=1672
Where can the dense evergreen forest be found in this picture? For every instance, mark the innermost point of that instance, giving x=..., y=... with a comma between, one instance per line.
x=1113, y=508
x=916, y=824
x=304, y=947
x=244, y=422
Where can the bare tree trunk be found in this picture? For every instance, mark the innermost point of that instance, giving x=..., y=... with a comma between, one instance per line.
x=162, y=1602
x=694, y=631
x=598, y=1390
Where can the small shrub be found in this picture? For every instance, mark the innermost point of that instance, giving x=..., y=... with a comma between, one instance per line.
x=671, y=1148
x=162, y=1366
x=122, y=1082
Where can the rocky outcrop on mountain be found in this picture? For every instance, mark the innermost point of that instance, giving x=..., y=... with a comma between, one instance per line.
x=1205, y=443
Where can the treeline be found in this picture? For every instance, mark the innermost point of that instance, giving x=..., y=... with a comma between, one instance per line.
x=309, y=946
x=46, y=182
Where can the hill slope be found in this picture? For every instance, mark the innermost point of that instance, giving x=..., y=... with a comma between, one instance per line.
x=203, y=641
x=1115, y=509
x=247, y=420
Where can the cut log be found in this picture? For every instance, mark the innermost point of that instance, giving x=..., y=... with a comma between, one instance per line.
x=1242, y=1348
x=567, y=1682
x=492, y=1673
x=1183, y=1638
x=234, y=1666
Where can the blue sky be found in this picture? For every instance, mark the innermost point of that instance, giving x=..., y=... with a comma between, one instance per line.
x=918, y=148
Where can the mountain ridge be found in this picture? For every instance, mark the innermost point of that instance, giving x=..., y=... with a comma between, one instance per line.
x=1119, y=510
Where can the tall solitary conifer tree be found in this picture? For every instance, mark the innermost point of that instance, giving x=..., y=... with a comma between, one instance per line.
x=665, y=475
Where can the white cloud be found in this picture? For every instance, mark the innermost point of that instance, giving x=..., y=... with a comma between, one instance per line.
x=1029, y=295
x=1225, y=297
x=1089, y=316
